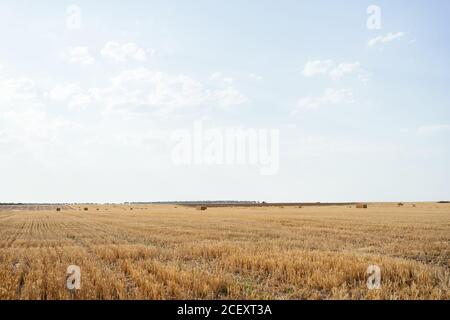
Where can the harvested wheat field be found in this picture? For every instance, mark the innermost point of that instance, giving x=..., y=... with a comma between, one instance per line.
x=168, y=252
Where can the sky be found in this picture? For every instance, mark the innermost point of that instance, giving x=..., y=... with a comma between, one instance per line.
x=119, y=101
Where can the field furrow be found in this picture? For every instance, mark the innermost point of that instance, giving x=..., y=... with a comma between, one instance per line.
x=163, y=252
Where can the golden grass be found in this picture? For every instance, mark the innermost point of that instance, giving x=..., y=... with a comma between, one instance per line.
x=167, y=252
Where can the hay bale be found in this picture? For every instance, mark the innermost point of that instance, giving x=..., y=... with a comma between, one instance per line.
x=202, y=208
x=300, y=207
x=361, y=206
x=86, y=209
x=400, y=204
x=58, y=209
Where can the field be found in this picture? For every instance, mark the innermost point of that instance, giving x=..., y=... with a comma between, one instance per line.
x=176, y=252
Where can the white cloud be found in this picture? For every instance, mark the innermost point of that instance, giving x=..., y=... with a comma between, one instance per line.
x=343, y=69
x=227, y=96
x=254, y=76
x=220, y=77
x=364, y=77
x=120, y=53
x=80, y=55
x=79, y=100
x=431, y=129
x=31, y=128
x=72, y=94
x=17, y=92
x=215, y=76
x=63, y=92
x=317, y=67
x=23, y=117
x=385, y=39
x=333, y=70
x=144, y=89
x=330, y=96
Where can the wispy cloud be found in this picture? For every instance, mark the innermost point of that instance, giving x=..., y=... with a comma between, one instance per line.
x=254, y=76
x=63, y=92
x=221, y=77
x=80, y=55
x=334, y=70
x=343, y=69
x=317, y=67
x=17, y=92
x=329, y=97
x=385, y=39
x=72, y=94
x=146, y=90
x=128, y=51
x=432, y=129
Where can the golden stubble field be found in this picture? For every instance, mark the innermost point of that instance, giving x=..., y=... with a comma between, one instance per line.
x=168, y=252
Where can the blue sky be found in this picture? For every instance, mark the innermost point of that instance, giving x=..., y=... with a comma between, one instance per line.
x=87, y=110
